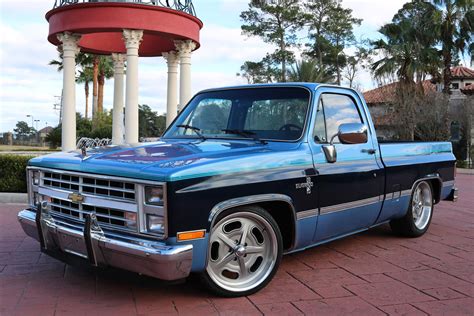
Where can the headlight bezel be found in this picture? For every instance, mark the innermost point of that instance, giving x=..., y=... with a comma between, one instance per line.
x=154, y=211
x=32, y=186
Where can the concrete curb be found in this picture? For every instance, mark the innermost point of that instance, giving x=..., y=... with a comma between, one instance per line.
x=465, y=171
x=9, y=197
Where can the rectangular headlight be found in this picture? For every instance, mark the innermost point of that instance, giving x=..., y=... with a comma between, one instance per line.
x=154, y=196
x=155, y=224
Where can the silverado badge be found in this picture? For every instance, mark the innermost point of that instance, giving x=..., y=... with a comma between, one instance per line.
x=76, y=197
x=308, y=185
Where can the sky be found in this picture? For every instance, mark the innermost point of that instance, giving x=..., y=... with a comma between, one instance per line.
x=29, y=86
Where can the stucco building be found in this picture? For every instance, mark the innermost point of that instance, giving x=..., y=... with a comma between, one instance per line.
x=379, y=101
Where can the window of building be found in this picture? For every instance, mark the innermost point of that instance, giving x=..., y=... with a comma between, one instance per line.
x=455, y=85
x=455, y=131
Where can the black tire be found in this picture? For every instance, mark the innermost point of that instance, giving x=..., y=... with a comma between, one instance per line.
x=215, y=281
x=406, y=226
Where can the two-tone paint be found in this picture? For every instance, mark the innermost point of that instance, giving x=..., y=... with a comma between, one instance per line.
x=313, y=201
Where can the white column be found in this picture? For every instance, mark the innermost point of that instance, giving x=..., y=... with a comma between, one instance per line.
x=185, y=49
x=132, y=40
x=70, y=49
x=117, y=120
x=172, y=93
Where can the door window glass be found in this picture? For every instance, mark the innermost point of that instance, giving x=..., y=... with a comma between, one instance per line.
x=338, y=109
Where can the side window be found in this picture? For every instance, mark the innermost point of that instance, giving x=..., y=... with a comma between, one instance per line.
x=319, y=133
x=339, y=109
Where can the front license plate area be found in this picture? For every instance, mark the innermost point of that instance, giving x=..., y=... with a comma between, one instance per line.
x=72, y=244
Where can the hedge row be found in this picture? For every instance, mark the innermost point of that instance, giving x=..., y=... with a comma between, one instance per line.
x=13, y=173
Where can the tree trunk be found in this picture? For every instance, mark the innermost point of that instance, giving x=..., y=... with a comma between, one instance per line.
x=95, y=86
x=446, y=70
x=283, y=61
x=86, y=91
x=338, y=70
x=100, y=99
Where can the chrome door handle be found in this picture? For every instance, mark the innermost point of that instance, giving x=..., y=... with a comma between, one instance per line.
x=369, y=151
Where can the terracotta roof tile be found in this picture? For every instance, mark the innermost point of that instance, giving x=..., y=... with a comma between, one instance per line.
x=386, y=93
x=461, y=72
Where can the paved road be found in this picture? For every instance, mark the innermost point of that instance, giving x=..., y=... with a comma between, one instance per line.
x=373, y=273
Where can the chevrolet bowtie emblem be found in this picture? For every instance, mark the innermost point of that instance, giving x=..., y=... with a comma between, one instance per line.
x=75, y=197
x=308, y=185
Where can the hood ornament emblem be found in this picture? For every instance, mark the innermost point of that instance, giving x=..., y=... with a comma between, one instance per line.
x=83, y=151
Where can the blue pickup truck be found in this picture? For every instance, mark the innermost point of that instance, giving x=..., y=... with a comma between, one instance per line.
x=242, y=176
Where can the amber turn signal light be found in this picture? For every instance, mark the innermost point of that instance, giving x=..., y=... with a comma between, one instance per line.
x=195, y=234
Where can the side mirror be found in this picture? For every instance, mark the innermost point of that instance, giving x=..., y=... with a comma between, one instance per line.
x=348, y=133
x=352, y=133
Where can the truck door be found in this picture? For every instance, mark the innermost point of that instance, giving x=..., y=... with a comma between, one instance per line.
x=350, y=189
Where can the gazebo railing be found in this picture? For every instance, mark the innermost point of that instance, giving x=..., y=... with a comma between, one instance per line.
x=179, y=5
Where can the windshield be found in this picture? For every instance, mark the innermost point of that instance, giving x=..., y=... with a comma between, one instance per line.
x=255, y=113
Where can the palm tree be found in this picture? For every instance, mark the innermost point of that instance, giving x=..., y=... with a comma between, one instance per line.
x=309, y=70
x=456, y=28
x=86, y=76
x=85, y=61
x=106, y=71
x=409, y=54
x=408, y=45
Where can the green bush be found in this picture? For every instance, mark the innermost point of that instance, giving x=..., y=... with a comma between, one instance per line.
x=13, y=173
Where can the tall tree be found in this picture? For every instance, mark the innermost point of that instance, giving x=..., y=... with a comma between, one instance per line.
x=456, y=30
x=339, y=32
x=318, y=12
x=23, y=129
x=409, y=54
x=330, y=32
x=276, y=22
x=408, y=47
x=355, y=63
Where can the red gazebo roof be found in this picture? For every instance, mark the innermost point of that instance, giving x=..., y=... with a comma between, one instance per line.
x=101, y=25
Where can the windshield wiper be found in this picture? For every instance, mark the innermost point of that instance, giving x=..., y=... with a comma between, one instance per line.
x=195, y=129
x=246, y=134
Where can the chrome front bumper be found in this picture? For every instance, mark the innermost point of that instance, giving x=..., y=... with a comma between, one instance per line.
x=101, y=248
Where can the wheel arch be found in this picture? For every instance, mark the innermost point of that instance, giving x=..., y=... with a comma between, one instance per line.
x=436, y=183
x=279, y=206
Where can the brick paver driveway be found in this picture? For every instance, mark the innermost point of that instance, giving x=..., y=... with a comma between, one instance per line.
x=372, y=273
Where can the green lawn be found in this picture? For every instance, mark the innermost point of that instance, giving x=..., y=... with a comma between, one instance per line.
x=25, y=148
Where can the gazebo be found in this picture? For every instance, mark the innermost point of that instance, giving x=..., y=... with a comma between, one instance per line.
x=125, y=29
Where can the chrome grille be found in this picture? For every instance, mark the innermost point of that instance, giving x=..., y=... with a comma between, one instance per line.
x=89, y=185
x=108, y=216
x=112, y=190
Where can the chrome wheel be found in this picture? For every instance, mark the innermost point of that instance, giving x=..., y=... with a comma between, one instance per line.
x=422, y=205
x=243, y=252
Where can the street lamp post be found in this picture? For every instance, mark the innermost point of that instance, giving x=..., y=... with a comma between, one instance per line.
x=32, y=119
x=37, y=121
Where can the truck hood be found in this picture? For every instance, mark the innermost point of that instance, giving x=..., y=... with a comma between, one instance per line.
x=172, y=160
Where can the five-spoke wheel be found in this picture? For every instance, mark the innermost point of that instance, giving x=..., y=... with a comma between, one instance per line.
x=245, y=250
